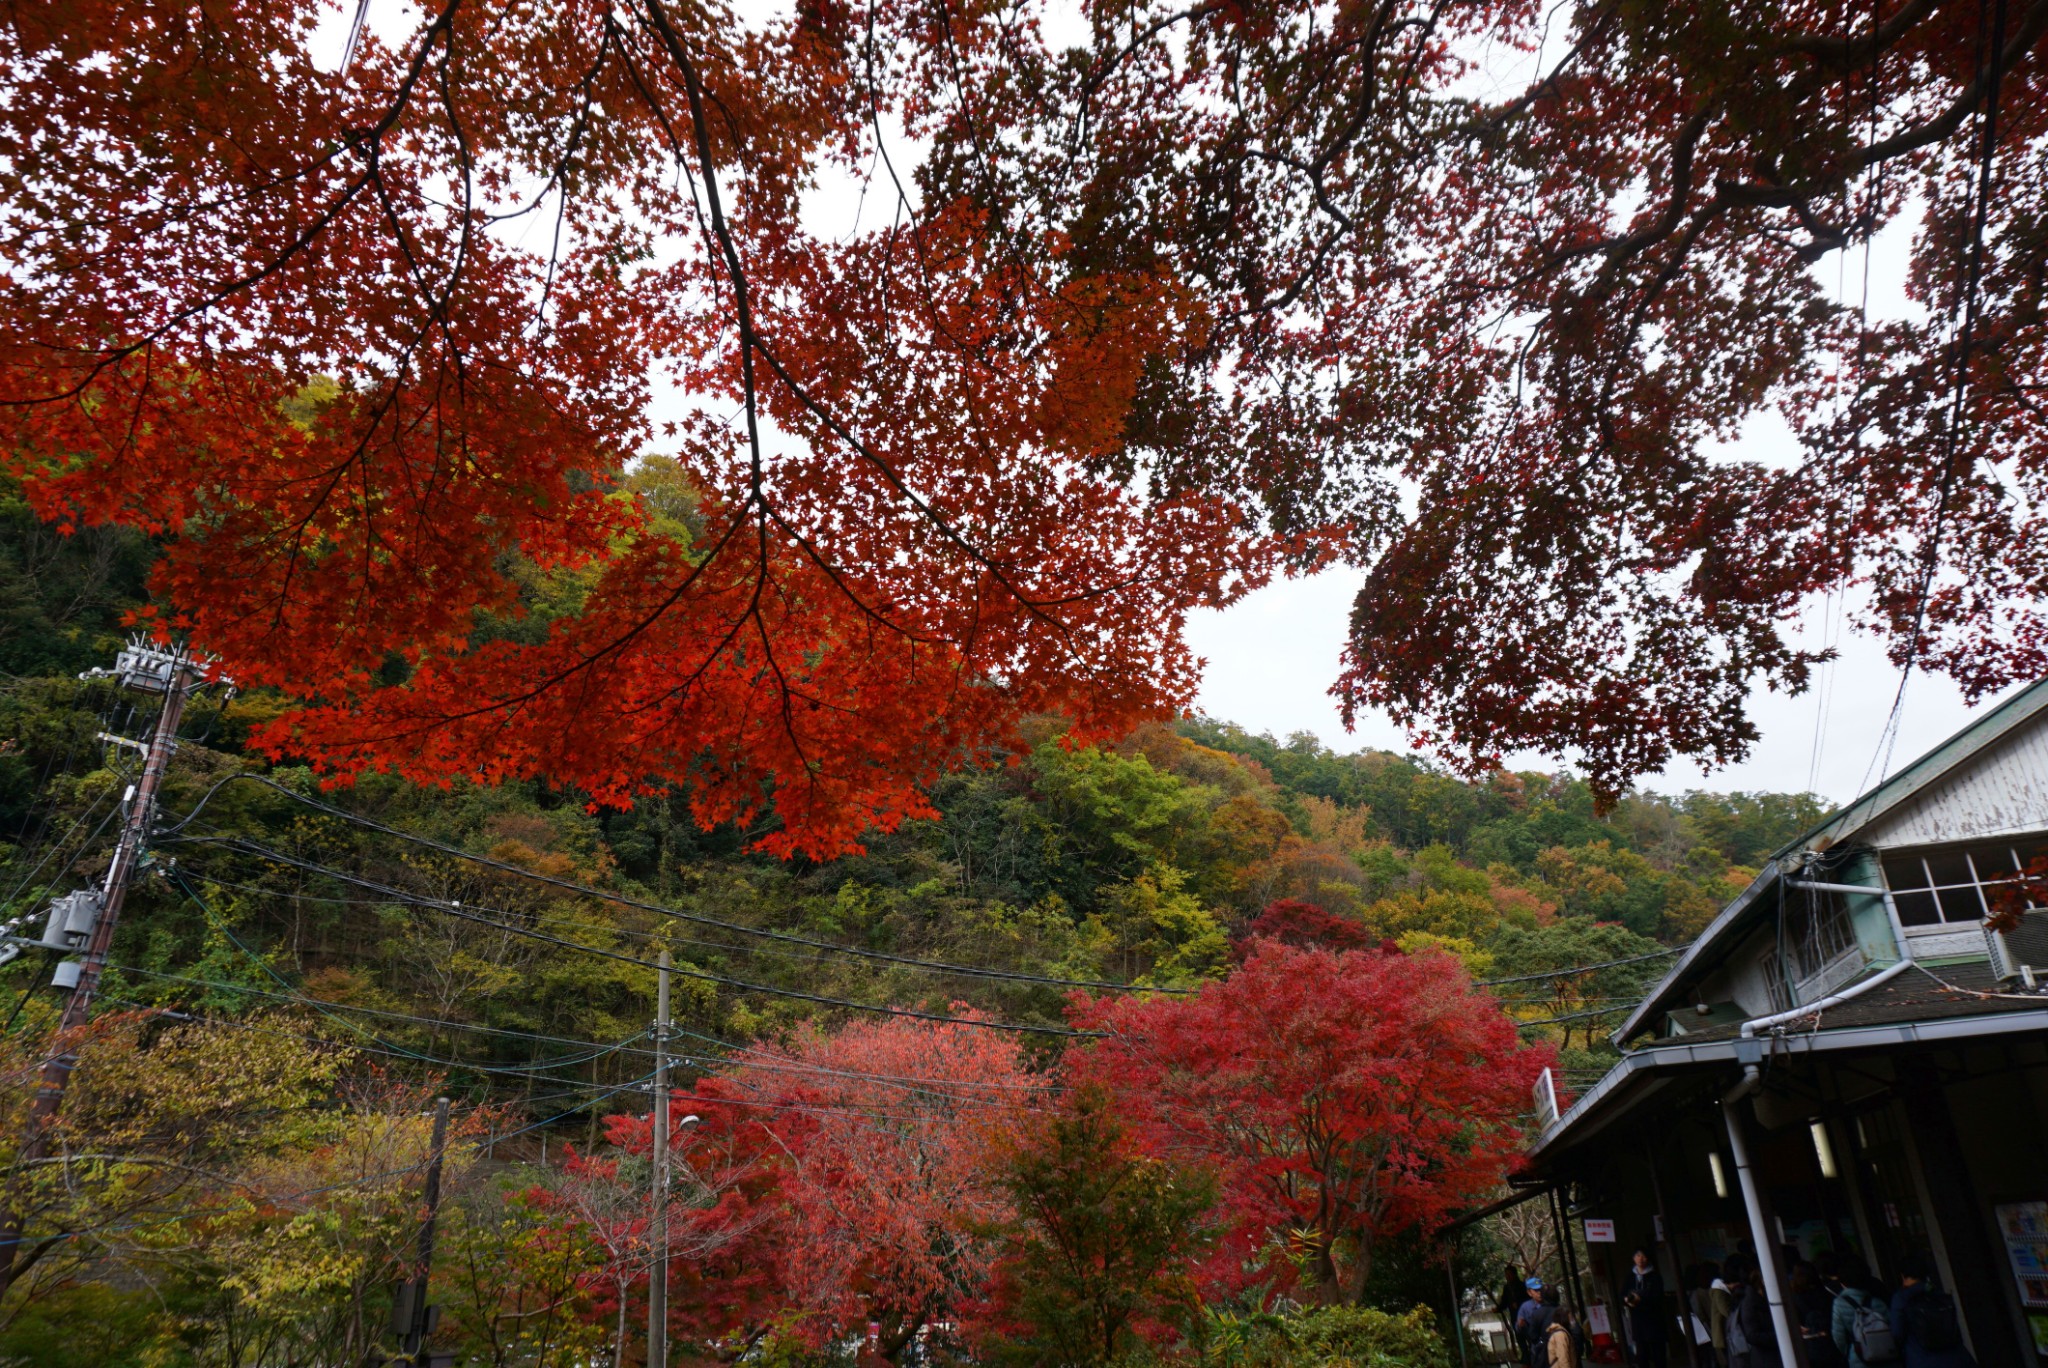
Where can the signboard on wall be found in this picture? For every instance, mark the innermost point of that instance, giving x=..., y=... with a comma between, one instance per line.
x=2024, y=1226
x=1546, y=1100
x=1599, y=1232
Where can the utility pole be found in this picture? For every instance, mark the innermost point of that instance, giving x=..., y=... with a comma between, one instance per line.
x=134, y=839
x=148, y=667
x=412, y=1309
x=657, y=1281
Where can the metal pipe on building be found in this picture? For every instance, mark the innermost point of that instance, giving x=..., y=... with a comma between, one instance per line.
x=1816, y=1007
x=1759, y=1228
x=1457, y=1306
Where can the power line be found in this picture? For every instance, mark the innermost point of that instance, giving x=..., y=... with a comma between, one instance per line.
x=375, y=1046
x=627, y=933
x=306, y=1000
x=600, y=1051
x=1570, y=1016
x=751, y=1056
x=455, y=909
x=1582, y=968
x=200, y=1213
x=569, y=885
x=1991, y=62
x=65, y=839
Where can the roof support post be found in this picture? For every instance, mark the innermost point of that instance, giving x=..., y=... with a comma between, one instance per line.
x=1457, y=1305
x=1760, y=1232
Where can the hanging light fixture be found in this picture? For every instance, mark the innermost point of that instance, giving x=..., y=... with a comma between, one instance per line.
x=1824, y=1150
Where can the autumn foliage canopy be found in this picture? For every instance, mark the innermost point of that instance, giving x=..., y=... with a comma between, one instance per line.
x=1262, y=1136
x=978, y=346
x=1345, y=1098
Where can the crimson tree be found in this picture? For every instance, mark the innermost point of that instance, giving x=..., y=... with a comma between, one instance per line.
x=1342, y=1098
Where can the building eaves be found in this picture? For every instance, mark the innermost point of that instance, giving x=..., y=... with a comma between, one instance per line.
x=1603, y=1102
x=1836, y=828
x=1843, y=824
x=1696, y=954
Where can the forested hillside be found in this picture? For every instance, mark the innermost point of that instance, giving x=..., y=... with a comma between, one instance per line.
x=300, y=968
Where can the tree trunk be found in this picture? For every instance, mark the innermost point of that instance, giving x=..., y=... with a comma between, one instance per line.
x=1330, y=1289
x=1360, y=1272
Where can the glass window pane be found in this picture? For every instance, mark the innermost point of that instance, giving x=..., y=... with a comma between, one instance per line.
x=1904, y=871
x=1917, y=909
x=1948, y=867
x=1961, y=904
x=1993, y=863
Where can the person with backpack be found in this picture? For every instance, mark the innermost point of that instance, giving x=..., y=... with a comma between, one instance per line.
x=1561, y=1340
x=1532, y=1323
x=1861, y=1325
x=1924, y=1320
x=1751, y=1328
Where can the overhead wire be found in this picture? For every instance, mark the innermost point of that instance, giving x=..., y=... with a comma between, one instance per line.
x=1990, y=62
x=279, y=1199
x=65, y=840
x=449, y=907
x=1582, y=968
x=373, y=1046
x=628, y=933
x=585, y=890
x=752, y=1056
x=207, y=911
x=306, y=1000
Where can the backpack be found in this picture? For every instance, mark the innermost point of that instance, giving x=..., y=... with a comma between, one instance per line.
x=1931, y=1321
x=1871, y=1332
x=1738, y=1342
x=1539, y=1336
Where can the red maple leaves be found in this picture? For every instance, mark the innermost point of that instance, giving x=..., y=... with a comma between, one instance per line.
x=1114, y=333
x=1341, y=1098
x=372, y=350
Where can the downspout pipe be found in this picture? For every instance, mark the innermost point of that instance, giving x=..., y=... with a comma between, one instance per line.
x=1819, y=1005
x=1738, y=1145
x=1753, y=1206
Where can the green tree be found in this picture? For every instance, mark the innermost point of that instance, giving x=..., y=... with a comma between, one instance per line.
x=1100, y=1252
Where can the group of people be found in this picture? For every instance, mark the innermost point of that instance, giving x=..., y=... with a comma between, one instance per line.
x=1546, y=1330
x=1844, y=1317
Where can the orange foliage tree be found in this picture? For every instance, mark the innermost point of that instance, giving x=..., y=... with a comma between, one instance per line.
x=888, y=1183
x=1128, y=316
x=370, y=348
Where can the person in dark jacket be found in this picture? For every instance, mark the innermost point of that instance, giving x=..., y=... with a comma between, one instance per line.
x=1512, y=1295
x=1753, y=1313
x=1924, y=1320
x=1532, y=1323
x=1644, y=1297
x=1813, y=1313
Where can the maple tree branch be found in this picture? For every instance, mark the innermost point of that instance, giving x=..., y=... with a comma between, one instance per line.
x=276, y=263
